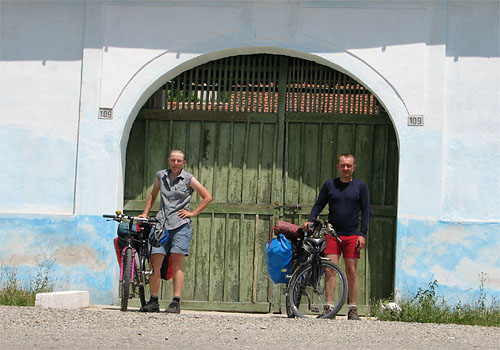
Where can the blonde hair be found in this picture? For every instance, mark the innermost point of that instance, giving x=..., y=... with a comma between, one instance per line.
x=177, y=151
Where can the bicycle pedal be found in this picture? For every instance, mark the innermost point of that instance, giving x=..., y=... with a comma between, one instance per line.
x=314, y=309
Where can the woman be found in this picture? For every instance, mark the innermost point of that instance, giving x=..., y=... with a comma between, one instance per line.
x=175, y=186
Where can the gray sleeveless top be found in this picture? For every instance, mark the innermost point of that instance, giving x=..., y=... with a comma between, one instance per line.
x=175, y=196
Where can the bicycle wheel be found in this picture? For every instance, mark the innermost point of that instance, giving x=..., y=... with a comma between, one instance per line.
x=127, y=274
x=289, y=311
x=308, y=293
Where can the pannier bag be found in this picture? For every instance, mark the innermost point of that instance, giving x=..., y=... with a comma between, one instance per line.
x=279, y=259
x=289, y=230
x=166, y=267
x=120, y=242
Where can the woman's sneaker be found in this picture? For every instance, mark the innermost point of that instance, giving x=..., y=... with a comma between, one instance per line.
x=353, y=313
x=151, y=306
x=174, y=307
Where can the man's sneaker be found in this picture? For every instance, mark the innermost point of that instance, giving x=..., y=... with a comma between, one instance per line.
x=174, y=307
x=326, y=309
x=353, y=313
x=151, y=306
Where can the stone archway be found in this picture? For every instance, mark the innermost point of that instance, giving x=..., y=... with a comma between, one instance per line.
x=228, y=114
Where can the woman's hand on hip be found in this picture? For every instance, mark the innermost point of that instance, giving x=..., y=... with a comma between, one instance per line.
x=186, y=214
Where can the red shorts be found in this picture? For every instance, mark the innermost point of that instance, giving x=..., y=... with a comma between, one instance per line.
x=347, y=247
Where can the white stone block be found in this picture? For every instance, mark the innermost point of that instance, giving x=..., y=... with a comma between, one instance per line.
x=72, y=299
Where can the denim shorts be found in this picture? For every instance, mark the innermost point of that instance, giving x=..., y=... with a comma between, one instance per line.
x=179, y=241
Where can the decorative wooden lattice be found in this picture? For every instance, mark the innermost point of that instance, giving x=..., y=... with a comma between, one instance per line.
x=250, y=83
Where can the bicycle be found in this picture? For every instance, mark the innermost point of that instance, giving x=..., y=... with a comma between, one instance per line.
x=310, y=270
x=134, y=256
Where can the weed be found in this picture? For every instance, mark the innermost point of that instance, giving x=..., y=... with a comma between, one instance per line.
x=427, y=307
x=18, y=293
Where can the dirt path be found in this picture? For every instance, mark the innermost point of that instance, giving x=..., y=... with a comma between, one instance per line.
x=108, y=328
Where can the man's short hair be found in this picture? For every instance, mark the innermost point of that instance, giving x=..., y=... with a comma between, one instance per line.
x=346, y=155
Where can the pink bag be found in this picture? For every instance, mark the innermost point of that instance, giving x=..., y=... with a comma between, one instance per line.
x=289, y=230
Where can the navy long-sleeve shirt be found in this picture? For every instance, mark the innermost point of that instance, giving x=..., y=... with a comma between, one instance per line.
x=345, y=201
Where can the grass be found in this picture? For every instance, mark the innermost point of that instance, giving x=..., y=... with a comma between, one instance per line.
x=17, y=293
x=426, y=307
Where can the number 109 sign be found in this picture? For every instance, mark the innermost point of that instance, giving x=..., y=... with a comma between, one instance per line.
x=415, y=120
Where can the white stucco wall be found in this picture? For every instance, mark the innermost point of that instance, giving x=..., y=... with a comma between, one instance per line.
x=40, y=70
x=61, y=61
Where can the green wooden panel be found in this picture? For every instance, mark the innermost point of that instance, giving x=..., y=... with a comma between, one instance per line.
x=263, y=281
x=156, y=151
x=267, y=162
x=221, y=167
x=310, y=156
x=207, y=155
x=328, y=158
x=202, y=257
x=391, y=196
x=363, y=268
x=293, y=162
x=179, y=135
x=250, y=169
x=363, y=153
x=193, y=149
x=216, y=269
x=345, y=138
x=379, y=168
x=134, y=171
x=231, y=259
x=235, y=179
x=190, y=263
x=381, y=246
x=247, y=257
x=153, y=114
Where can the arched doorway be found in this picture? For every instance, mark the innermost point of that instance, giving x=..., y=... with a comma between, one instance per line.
x=259, y=129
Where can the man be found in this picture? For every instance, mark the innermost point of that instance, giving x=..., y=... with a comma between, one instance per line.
x=345, y=197
x=175, y=187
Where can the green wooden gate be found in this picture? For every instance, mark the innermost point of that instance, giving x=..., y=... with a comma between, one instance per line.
x=260, y=129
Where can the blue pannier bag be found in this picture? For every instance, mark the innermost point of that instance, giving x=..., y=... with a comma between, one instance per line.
x=279, y=259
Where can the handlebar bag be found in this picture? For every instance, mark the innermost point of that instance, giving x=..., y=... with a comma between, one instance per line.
x=124, y=229
x=279, y=259
x=291, y=231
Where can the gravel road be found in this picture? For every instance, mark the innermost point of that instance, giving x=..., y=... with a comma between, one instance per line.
x=108, y=328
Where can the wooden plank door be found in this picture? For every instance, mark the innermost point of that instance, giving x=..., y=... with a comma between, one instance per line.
x=327, y=114
x=313, y=143
x=235, y=160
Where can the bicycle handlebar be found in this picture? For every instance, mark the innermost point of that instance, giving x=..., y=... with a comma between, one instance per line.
x=326, y=228
x=123, y=217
